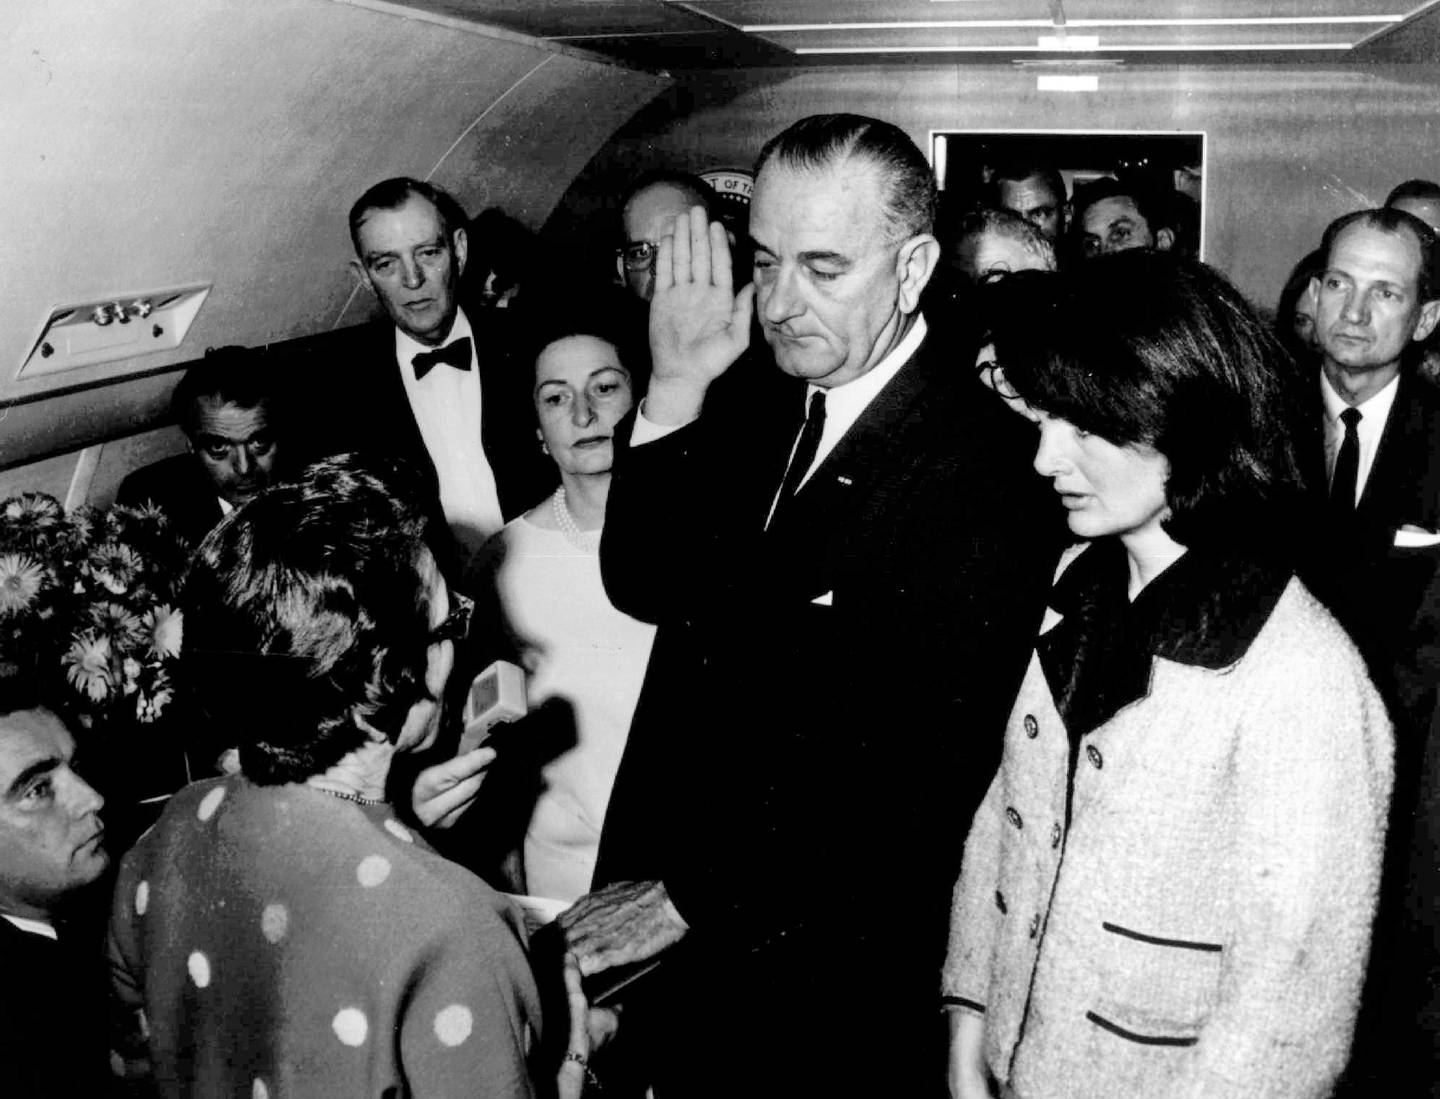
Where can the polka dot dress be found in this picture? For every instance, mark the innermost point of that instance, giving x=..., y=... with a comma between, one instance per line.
x=279, y=942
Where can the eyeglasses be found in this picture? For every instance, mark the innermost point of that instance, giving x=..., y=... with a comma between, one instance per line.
x=638, y=255
x=455, y=625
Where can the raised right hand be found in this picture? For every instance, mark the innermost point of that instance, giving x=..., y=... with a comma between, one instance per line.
x=698, y=324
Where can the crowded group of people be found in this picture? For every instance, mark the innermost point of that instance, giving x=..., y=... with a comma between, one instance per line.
x=1029, y=703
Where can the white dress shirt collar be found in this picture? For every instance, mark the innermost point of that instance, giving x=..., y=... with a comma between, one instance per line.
x=447, y=406
x=1374, y=413
x=845, y=403
x=35, y=927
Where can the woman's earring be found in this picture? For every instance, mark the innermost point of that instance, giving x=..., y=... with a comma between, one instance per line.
x=544, y=447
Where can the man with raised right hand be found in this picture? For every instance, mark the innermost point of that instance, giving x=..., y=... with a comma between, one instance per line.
x=847, y=558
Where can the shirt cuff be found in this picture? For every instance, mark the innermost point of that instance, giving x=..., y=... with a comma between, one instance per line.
x=646, y=431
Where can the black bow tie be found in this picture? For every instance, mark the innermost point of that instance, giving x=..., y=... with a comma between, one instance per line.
x=456, y=354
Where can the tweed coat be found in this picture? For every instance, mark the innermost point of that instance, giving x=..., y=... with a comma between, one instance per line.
x=1199, y=925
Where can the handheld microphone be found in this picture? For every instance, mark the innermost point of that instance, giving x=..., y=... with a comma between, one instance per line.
x=496, y=696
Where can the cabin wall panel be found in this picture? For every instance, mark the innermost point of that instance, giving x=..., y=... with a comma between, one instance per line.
x=153, y=142
x=51, y=475
x=1288, y=148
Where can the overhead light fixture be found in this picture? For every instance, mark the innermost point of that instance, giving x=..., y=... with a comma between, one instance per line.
x=1025, y=24
x=1282, y=47
x=1061, y=42
x=110, y=329
x=1067, y=82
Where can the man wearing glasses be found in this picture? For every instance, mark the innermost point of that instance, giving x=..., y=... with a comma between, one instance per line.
x=648, y=212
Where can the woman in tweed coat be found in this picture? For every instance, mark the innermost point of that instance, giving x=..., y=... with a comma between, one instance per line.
x=1168, y=889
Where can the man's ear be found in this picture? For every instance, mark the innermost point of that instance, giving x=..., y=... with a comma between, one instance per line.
x=362, y=276
x=914, y=266
x=1165, y=240
x=1429, y=314
x=460, y=243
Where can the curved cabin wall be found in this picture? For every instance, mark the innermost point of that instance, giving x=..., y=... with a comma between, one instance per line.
x=1288, y=148
x=153, y=143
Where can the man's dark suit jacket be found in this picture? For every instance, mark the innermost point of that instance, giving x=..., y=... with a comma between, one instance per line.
x=356, y=401
x=1373, y=587
x=53, y=1000
x=823, y=712
x=179, y=488
x=1385, y=596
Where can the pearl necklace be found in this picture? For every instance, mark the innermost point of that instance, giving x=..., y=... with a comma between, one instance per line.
x=345, y=796
x=586, y=541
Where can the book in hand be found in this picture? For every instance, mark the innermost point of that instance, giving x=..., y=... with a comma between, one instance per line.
x=547, y=947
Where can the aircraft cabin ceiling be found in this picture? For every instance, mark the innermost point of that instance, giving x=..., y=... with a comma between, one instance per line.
x=198, y=157
x=699, y=34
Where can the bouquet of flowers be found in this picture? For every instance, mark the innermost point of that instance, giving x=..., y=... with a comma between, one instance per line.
x=87, y=602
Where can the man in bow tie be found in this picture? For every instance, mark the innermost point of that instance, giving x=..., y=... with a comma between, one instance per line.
x=442, y=391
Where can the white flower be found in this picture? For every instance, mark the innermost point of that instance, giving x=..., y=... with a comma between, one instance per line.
x=20, y=581
x=116, y=566
x=87, y=666
x=166, y=627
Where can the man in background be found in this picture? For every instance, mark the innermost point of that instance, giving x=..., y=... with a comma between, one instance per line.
x=438, y=383
x=1036, y=194
x=647, y=211
x=234, y=429
x=991, y=243
x=53, y=996
x=1112, y=216
x=1419, y=197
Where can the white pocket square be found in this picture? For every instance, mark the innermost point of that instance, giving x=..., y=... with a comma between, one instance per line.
x=1409, y=537
x=828, y=599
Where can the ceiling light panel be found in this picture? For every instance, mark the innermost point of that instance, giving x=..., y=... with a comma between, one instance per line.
x=1150, y=39
x=758, y=12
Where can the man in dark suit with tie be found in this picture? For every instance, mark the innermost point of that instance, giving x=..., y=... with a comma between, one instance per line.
x=1376, y=301
x=847, y=558
x=233, y=421
x=1377, y=490
x=52, y=994
x=439, y=385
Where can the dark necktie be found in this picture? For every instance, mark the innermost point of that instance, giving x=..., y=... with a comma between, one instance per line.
x=805, y=450
x=455, y=354
x=1347, y=465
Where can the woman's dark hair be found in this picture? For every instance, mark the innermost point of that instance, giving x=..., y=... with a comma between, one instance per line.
x=1311, y=266
x=306, y=610
x=1146, y=348
x=587, y=319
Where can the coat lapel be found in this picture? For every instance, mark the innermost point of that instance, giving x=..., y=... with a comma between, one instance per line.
x=870, y=450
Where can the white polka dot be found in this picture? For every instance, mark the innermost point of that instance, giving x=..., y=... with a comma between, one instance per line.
x=350, y=1026
x=210, y=802
x=399, y=831
x=199, y=967
x=274, y=922
x=258, y=1090
x=373, y=870
x=142, y=898
x=453, y=1024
